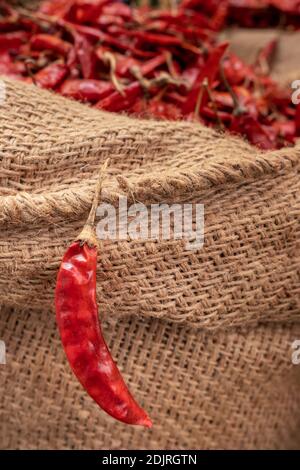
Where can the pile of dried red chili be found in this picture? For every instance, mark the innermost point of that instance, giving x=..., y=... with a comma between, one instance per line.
x=155, y=63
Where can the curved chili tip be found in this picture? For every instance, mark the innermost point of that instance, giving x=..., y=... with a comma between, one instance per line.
x=80, y=329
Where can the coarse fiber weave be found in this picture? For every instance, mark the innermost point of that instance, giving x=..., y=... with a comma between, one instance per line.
x=203, y=337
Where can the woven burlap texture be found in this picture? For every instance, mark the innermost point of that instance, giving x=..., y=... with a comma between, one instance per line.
x=224, y=376
x=235, y=389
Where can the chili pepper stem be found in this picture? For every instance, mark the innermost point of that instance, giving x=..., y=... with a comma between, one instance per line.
x=238, y=109
x=111, y=61
x=27, y=64
x=214, y=105
x=88, y=235
x=162, y=80
x=200, y=97
x=39, y=18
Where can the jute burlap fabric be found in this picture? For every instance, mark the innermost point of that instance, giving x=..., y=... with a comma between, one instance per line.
x=203, y=337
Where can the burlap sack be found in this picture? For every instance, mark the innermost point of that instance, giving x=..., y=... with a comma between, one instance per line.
x=203, y=337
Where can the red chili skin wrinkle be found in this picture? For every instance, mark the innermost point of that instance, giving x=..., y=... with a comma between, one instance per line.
x=83, y=342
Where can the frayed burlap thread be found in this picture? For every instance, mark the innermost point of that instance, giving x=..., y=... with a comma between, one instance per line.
x=203, y=336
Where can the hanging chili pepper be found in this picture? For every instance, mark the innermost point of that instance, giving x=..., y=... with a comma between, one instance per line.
x=80, y=330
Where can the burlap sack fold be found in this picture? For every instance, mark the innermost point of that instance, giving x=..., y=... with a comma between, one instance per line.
x=224, y=377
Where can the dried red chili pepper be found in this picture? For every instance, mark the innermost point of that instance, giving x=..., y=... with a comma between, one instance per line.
x=86, y=90
x=264, y=13
x=57, y=8
x=87, y=31
x=80, y=330
x=117, y=102
x=261, y=136
x=209, y=71
x=163, y=40
x=219, y=16
x=152, y=64
x=132, y=49
x=265, y=57
x=51, y=76
x=10, y=68
x=84, y=11
x=41, y=42
x=236, y=70
x=124, y=64
x=162, y=110
x=118, y=9
x=221, y=116
x=287, y=130
x=86, y=56
x=10, y=18
x=13, y=41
